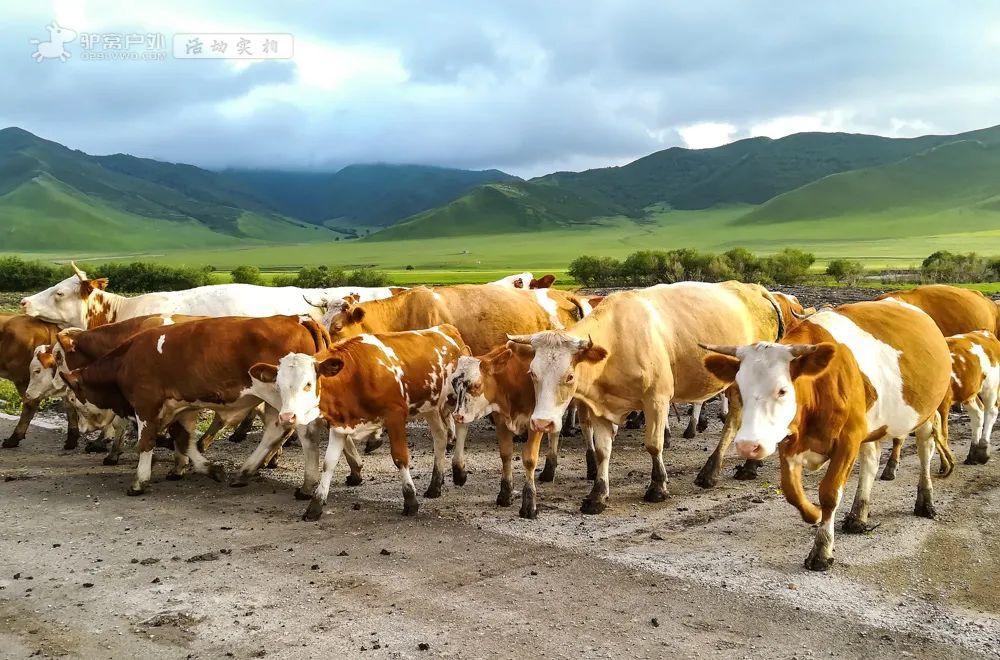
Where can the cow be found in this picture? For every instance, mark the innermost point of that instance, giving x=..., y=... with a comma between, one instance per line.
x=976, y=384
x=638, y=350
x=163, y=377
x=828, y=392
x=498, y=383
x=365, y=383
x=525, y=281
x=81, y=302
x=955, y=311
x=19, y=337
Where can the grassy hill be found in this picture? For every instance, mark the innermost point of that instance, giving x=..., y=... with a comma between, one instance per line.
x=750, y=171
x=376, y=195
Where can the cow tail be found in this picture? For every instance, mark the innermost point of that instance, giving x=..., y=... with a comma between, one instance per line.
x=320, y=335
x=777, y=310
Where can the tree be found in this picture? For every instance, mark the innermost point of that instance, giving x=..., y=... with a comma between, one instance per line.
x=845, y=271
x=788, y=266
x=247, y=275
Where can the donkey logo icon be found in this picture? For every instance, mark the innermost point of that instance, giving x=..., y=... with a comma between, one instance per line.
x=55, y=46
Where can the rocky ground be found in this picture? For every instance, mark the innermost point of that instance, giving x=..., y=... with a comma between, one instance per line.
x=196, y=569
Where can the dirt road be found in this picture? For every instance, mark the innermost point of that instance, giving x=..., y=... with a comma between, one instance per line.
x=199, y=569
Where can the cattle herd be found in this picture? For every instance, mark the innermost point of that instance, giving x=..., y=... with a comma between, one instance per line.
x=819, y=387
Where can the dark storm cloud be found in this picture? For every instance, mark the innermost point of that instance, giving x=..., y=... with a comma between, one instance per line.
x=523, y=86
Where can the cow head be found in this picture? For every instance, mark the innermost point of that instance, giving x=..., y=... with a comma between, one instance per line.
x=91, y=418
x=767, y=376
x=472, y=384
x=296, y=378
x=555, y=359
x=64, y=303
x=44, y=379
x=347, y=321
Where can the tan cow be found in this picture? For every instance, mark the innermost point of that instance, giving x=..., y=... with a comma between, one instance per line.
x=363, y=384
x=833, y=387
x=166, y=376
x=976, y=384
x=955, y=311
x=19, y=337
x=639, y=350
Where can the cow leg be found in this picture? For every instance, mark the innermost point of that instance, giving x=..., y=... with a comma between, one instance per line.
x=551, y=459
x=147, y=442
x=274, y=436
x=373, y=442
x=72, y=425
x=635, y=420
x=401, y=459
x=118, y=428
x=892, y=465
x=925, y=433
x=241, y=431
x=208, y=437
x=856, y=522
x=189, y=421
x=702, y=417
x=353, y=457
x=748, y=470
x=28, y=410
x=692, y=427
x=597, y=500
x=334, y=448
x=977, y=419
x=723, y=407
x=439, y=435
x=449, y=423
x=831, y=489
x=708, y=477
x=570, y=424
x=505, y=439
x=656, y=419
x=990, y=400
x=588, y=437
x=310, y=437
x=458, y=474
x=529, y=456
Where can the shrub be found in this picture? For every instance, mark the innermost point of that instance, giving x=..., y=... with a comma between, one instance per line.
x=16, y=274
x=945, y=266
x=247, y=275
x=367, y=277
x=845, y=271
x=789, y=266
x=139, y=277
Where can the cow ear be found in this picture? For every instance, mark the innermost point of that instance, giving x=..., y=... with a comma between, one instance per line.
x=723, y=367
x=814, y=363
x=66, y=341
x=355, y=314
x=494, y=364
x=330, y=366
x=100, y=283
x=544, y=282
x=523, y=350
x=265, y=373
x=592, y=354
x=72, y=379
x=47, y=360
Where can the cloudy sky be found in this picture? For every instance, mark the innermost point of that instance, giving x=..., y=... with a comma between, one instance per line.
x=525, y=86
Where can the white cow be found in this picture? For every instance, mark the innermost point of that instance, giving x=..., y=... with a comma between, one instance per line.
x=81, y=302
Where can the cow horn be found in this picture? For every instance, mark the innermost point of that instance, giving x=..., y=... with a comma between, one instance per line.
x=719, y=348
x=79, y=273
x=798, y=350
x=309, y=302
x=520, y=339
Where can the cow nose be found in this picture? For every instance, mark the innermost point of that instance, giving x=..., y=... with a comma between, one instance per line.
x=287, y=418
x=543, y=425
x=749, y=448
x=24, y=304
x=460, y=419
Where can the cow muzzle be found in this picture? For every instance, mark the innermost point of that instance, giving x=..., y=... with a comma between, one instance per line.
x=751, y=449
x=543, y=425
x=459, y=418
x=25, y=305
x=287, y=419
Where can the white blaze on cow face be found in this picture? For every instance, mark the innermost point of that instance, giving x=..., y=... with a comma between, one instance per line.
x=769, y=404
x=298, y=389
x=62, y=303
x=470, y=402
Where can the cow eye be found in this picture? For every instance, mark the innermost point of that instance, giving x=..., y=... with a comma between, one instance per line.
x=569, y=378
x=308, y=387
x=782, y=392
x=59, y=294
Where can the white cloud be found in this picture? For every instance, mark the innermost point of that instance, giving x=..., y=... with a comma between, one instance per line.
x=707, y=134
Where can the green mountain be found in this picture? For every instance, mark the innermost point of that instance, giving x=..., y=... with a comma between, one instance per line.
x=376, y=195
x=750, y=171
x=52, y=196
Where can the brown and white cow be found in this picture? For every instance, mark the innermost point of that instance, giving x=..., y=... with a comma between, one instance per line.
x=165, y=376
x=834, y=386
x=498, y=383
x=363, y=384
x=976, y=384
x=525, y=281
x=639, y=350
x=955, y=311
x=19, y=337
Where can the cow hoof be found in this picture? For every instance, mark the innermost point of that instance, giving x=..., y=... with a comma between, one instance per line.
x=702, y=426
x=410, y=508
x=925, y=505
x=301, y=494
x=12, y=442
x=706, y=478
x=113, y=460
x=459, y=476
x=70, y=444
x=372, y=444
x=433, y=491
x=549, y=473
x=354, y=479
x=241, y=480
x=591, y=465
x=978, y=455
x=217, y=472
x=173, y=475
x=655, y=493
x=853, y=525
x=688, y=433
x=528, y=509
x=133, y=491
x=817, y=562
x=271, y=464
x=95, y=447
x=505, y=497
x=313, y=511
x=745, y=472
x=593, y=506
x=889, y=471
